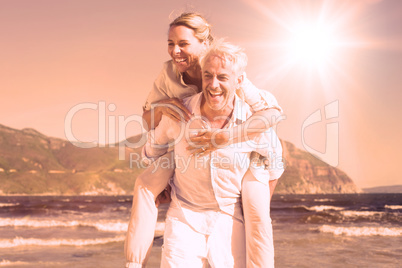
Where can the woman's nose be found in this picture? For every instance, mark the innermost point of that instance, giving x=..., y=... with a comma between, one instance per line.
x=176, y=49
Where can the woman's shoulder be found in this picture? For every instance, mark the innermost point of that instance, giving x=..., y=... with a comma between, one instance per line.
x=169, y=67
x=168, y=72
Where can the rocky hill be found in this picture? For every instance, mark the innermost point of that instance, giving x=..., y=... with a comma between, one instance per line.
x=32, y=163
x=306, y=174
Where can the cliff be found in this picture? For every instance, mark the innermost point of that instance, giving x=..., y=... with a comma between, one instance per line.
x=306, y=174
x=32, y=163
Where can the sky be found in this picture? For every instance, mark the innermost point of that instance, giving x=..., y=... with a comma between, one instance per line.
x=75, y=68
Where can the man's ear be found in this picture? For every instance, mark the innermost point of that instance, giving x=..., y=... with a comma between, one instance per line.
x=240, y=80
x=205, y=44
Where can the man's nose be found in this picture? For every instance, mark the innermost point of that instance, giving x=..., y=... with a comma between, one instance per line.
x=215, y=83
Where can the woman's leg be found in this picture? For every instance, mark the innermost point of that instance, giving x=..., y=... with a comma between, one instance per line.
x=256, y=208
x=141, y=227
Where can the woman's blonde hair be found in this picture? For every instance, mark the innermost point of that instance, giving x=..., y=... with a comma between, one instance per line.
x=196, y=22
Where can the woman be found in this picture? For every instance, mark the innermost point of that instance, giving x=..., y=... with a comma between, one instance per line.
x=189, y=35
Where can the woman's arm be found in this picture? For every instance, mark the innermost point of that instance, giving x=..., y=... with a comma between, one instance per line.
x=172, y=108
x=267, y=114
x=259, y=122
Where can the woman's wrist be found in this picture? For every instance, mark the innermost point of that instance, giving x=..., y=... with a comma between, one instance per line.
x=223, y=137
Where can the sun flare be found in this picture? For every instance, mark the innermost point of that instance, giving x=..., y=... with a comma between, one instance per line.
x=311, y=42
x=311, y=45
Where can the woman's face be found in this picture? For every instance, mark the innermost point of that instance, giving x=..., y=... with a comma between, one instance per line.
x=184, y=48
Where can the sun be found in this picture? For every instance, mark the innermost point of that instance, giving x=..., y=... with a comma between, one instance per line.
x=311, y=44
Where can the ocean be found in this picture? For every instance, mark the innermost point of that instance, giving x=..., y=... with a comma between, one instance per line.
x=344, y=230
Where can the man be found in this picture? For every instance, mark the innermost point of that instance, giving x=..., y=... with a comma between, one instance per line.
x=205, y=223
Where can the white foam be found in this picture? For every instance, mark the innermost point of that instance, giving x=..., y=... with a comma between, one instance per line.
x=159, y=229
x=106, y=226
x=101, y=225
x=110, y=226
x=323, y=200
x=393, y=206
x=8, y=204
x=12, y=263
x=323, y=208
x=361, y=231
x=354, y=213
x=21, y=242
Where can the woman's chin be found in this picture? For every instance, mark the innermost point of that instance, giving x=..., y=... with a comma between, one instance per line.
x=182, y=68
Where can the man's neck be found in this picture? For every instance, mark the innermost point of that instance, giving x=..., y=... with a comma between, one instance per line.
x=217, y=118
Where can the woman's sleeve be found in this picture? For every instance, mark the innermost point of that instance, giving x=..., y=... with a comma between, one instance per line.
x=269, y=147
x=158, y=91
x=160, y=139
x=258, y=99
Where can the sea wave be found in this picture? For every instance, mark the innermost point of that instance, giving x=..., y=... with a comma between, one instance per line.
x=21, y=242
x=393, y=207
x=323, y=208
x=159, y=229
x=12, y=263
x=104, y=226
x=360, y=231
x=355, y=213
x=2, y=205
x=372, y=216
x=7, y=263
x=323, y=200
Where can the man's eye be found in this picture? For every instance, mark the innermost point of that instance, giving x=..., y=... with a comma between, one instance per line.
x=170, y=44
x=184, y=44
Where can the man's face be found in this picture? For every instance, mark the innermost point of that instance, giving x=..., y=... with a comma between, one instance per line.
x=219, y=83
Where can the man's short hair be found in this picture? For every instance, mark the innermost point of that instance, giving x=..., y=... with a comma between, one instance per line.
x=229, y=53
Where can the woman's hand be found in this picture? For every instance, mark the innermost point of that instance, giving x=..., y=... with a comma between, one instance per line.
x=207, y=141
x=172, y=108
x=164, y=197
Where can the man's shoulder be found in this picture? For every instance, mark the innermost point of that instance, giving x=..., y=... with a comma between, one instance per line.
x=192, y=101
x=242, y=110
